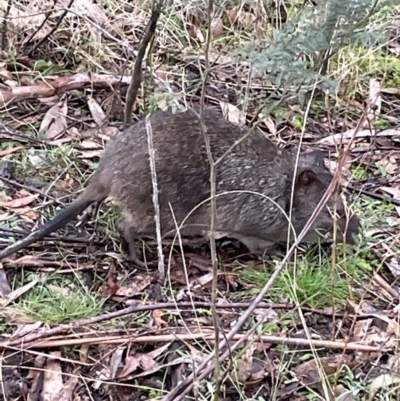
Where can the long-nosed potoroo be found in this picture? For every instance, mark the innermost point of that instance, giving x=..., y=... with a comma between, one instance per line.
x=254, y=185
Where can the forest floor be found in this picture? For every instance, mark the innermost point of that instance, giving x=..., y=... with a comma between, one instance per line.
x=77, y=321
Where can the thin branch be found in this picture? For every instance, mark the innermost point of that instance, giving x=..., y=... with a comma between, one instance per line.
x=156, y=203
x=55, y=27
x=240, y=338
x=47, y=16
x=137, y=70
x=213, y=204
x=4, y=27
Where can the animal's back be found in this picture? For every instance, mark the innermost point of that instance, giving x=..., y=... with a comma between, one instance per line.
x=183, y=171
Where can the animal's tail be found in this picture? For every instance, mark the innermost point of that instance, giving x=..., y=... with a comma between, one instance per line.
x=65, y=216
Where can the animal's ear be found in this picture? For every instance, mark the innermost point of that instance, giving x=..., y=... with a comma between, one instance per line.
x=306, y=178
x=313, y=158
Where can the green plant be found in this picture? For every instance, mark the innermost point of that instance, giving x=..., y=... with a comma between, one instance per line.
x=298, y=53
x=59, y=301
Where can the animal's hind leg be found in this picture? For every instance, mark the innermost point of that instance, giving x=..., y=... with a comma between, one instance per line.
x=130, y=235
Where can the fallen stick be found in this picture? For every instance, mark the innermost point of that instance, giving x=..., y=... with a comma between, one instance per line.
x=59, y=85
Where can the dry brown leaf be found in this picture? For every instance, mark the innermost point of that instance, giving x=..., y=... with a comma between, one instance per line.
x=232, y=15
x=343, y=394
x=52, y=380
x=88, y=144
x=156, y=367
x=243, y=370
x=67, y=393
x=106, y=133
x=115, y=361
x=19, y=202
x=266, y=315
x=54, y=122
x=145, y=361
x=93, y=149
x=204, y=279
x=26, y=213
x=375, y=100
x=89, y=9
x=389, y=163
x=246, y=18
x=308, y=372
x=383, y=381
x=270, y=124
x=162, y=72
x=131, y=365
x=240, y=17
x=178, y=276
x=346, y=175
x=394, y=266
x=138, y=284
x=12, y=296
x=6, y=77
x=158, y=351
x=361, y=307
x=197, y=34
x=5, y=287
x=27, y=19
x=4, y=197
x=111, y=284
x=232, y=113
x=97, y=112
x=366, y=333
x=4, y=216
x=27, y=328
x=84, y=353
x=394, y=191
x=157, y=316
x=217, y=27
x=194, y=29
x=70, y=135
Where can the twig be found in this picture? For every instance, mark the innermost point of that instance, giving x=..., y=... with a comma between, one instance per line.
x=6, y=132
x=57, y=85
x=42, y=25
x=137, y=70
x=47, y=16
x=63, y=328
x=374, y=194
x=23, y=233
x=156, y=203
x=56, y=25
x=4, y=27
x=203, y=336
x=32, y=189
x=213, y=203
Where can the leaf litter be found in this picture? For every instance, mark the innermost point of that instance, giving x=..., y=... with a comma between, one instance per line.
x=132, y=360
